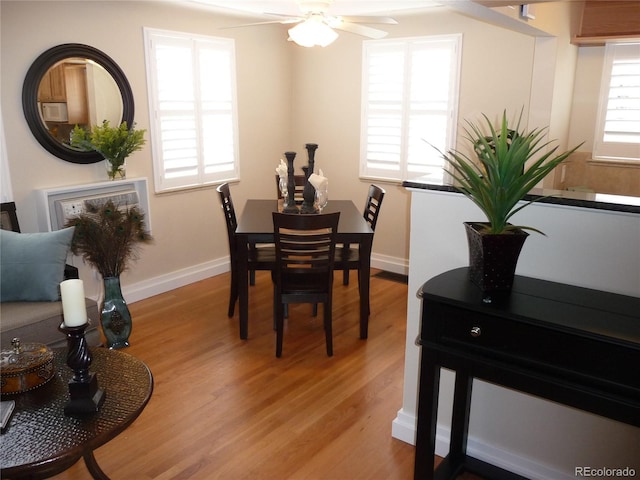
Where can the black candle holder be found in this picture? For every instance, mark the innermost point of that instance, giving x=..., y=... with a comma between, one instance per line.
x=291, y=206
x=84, y=394
x=309, y=193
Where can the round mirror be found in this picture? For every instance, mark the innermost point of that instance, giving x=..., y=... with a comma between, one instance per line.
x=69, y=85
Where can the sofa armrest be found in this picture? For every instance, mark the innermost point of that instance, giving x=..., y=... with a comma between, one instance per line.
x=70, y=272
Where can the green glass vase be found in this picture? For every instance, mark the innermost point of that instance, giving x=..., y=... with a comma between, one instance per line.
x=115, y=316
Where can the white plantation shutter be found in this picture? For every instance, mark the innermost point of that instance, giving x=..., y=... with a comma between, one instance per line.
x=409, y=101
x=618, y=127
x=192, y=101
x=383, y=86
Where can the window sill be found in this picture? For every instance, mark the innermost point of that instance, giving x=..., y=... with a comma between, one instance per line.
x=192, y=188
x=614, y=163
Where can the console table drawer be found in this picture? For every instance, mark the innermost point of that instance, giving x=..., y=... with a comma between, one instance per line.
x=534, y=345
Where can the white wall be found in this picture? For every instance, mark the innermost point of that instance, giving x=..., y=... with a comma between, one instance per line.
x=533, y=437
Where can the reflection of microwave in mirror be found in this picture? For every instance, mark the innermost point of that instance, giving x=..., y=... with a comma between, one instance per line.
x=54, y=111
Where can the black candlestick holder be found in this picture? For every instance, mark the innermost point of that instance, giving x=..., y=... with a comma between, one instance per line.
x=309, y=192
x=291, y=206
x=84, y=394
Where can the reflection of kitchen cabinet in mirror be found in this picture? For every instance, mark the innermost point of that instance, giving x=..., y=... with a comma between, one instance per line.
x=67, y=97
x=62, y=96
x=52, y=86
x=75, y=77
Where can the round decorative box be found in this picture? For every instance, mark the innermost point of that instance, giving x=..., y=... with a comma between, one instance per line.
x=25, y=367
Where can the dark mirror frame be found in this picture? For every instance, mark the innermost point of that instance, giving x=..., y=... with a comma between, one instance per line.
x=30, y=97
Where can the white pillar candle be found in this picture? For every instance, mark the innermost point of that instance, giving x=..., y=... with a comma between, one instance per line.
x=73, y=305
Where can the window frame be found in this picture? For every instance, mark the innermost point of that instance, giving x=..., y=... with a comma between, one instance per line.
x=617, y=152
x=404, y=170
x=154, y=37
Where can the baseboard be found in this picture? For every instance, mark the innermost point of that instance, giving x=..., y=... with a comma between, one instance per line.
x=403, y=428
x=179, y=278
x=390, y=264
x=511, y=461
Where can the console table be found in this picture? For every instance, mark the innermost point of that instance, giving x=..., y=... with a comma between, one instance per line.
x=576, y=346
x=41, y=441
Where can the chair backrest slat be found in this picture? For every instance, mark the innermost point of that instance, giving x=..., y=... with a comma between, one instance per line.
x=305, y=241
x=300, y=182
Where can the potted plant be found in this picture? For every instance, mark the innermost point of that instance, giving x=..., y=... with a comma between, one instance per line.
x=115, y=144
x=510, y=162
x=108, y=238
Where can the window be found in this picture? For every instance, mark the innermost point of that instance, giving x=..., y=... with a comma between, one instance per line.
x=409, y=106
x=193, y=108
x=618, y=126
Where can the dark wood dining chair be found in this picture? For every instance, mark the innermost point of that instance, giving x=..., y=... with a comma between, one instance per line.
x=305, y=254
x=8, y=217
x=300, y=181
x=259, y=258
x=347, y=257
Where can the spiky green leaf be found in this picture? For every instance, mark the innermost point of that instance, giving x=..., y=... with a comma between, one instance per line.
x=500, y=178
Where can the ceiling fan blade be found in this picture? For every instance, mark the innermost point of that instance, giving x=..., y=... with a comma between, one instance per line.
x=287, y=21
x=367, y=19
x=361, y=30
x=288, y=17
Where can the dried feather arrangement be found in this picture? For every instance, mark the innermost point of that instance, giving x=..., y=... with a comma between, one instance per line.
x=108, y=237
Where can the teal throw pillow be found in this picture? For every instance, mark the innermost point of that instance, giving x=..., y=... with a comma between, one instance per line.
x=32, y=265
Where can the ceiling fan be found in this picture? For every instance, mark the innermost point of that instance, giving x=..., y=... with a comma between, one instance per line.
x=315, y=26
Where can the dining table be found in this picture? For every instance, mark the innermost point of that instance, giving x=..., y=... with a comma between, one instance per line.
x=255, y=226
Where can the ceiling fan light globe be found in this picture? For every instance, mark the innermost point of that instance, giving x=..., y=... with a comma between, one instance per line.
x=312, y=32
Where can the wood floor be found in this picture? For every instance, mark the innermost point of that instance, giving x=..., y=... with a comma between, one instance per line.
x=229, y=409
x=224, y=408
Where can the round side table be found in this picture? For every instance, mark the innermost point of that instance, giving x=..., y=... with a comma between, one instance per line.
x=41, y=441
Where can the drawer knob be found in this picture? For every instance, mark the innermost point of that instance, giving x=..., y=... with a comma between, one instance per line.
x=475, y=331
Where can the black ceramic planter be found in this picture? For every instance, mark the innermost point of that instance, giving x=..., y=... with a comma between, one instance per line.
x=493, y=258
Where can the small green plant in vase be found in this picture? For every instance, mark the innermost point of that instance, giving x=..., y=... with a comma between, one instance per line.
x=510, y=162
x=115, y=144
